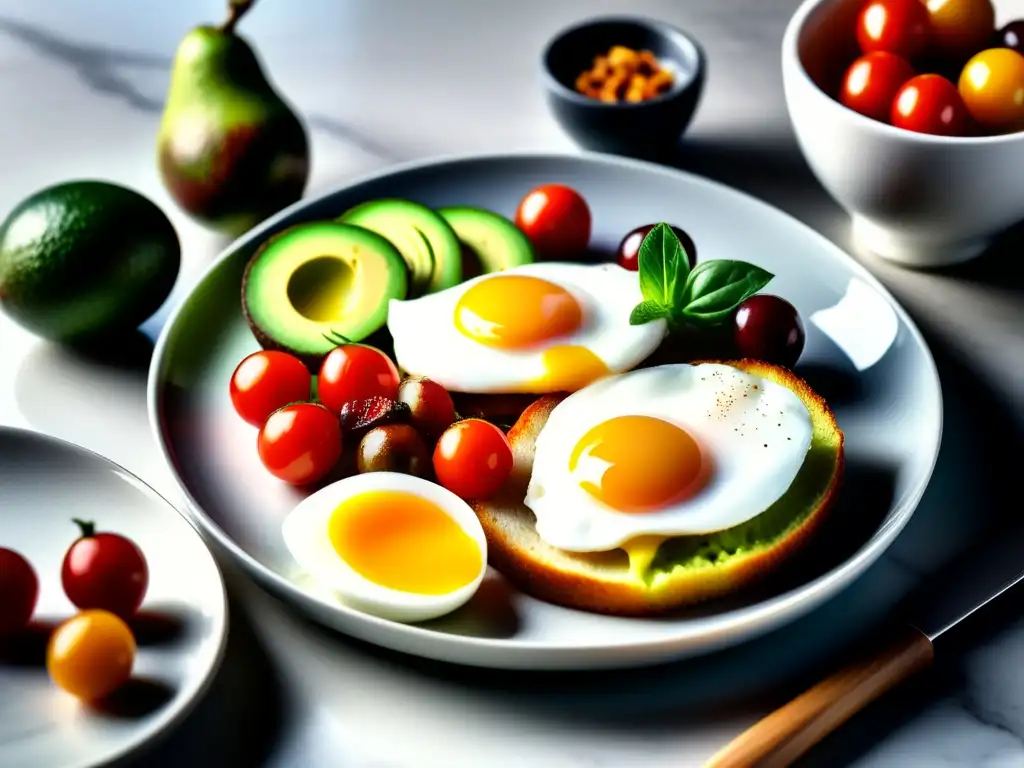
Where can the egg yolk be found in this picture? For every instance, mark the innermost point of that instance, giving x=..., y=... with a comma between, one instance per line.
x=401, y=541
x=566, y=369
x=510, y=311
x=637, y=463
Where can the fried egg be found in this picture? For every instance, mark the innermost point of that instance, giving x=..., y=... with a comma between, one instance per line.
x=546, y=327
x=389, y=544
x=667, y=451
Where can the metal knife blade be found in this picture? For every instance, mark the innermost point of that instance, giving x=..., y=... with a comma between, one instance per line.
x=966, y=584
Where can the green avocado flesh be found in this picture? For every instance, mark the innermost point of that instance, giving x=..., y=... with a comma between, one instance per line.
x=316, y=285
x=801, y=499
x=492, y=242
x=426, y=241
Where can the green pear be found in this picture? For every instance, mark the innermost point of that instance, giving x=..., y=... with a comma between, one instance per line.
x=231, y=150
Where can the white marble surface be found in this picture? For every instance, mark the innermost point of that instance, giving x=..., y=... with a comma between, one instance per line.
x=82, y=84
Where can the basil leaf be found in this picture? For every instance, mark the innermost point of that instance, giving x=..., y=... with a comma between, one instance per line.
x=677, y=286
x=658, y=264
x=715, y=288
x=647, y=311
x=680, y=275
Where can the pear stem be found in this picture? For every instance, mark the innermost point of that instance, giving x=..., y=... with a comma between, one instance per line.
x=236, y=10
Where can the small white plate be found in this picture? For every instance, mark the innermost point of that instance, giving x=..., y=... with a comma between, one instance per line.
x=180, y=630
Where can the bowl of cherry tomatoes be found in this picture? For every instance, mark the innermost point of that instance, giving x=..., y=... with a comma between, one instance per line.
x=911, y=115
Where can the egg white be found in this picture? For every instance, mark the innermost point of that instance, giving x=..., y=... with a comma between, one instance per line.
x=756, y=433
x=427, y=342
x=306, y=534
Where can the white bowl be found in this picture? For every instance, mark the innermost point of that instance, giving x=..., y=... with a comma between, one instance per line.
x=916, y=199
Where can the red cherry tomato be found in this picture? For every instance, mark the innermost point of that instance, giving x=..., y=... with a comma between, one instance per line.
x=19, y=590
x=300, y=443
x=556, y=218
x=266, y=381
x=959, y=28
x=930, y=104
x=105, y=571
x=872, y=81
x=894, y=26
x=356, y=372
x=473, y=459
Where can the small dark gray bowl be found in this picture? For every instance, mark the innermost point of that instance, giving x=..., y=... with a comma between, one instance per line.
x=648, y=129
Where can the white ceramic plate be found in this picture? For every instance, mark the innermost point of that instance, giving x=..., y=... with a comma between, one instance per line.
x=180, y=630
x=863, y=354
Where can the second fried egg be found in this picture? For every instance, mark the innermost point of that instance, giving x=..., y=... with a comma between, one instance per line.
x=538, y=328
x=667, y=451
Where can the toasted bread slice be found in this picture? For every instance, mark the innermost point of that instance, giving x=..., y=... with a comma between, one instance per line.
x=686, y=569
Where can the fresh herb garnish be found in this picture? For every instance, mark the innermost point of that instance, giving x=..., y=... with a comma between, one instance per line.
x=646, y=311
x=336, y=338
x=715, y=288
x=705, y=296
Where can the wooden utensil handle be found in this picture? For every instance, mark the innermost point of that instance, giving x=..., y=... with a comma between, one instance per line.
x=786, y=734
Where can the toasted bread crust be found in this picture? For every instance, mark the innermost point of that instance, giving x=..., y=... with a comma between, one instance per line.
x=575, y=581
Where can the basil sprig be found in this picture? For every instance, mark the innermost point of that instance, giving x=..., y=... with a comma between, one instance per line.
x=704, y=296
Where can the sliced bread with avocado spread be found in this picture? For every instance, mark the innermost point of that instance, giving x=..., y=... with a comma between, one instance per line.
x=315, y=286
x=685, y=569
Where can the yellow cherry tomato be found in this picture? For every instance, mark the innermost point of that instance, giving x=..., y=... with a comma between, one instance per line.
x=992, y=87
x=91, y=655
x=960, y=27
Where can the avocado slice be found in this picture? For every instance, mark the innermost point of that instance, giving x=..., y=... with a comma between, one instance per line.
x=491, y=243
x=315, y=286
x=426, y=242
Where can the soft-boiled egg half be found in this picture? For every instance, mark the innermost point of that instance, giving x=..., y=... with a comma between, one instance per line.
x=546, y=327
x=667, y=451
x=389, y=544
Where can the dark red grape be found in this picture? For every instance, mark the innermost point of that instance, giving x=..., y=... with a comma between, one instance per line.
x=629, y=249
x=394, y=448
x=1011, y=36
x=768, y=328
x=430, y=406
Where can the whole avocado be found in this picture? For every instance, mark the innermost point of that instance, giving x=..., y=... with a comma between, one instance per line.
x=84, y=259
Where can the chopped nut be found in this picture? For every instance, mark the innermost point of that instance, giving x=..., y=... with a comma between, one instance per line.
x=621, y=56
x=601, y=69
x=614, y=88
x=608, y=94
x=624, y=74
x=637, y=89
x=659, y=83
x=647, y=64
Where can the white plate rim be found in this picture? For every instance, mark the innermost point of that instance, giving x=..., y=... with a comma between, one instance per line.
x=756, y=618
x=162, y=726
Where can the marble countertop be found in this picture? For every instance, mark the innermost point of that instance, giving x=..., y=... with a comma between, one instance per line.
x=82, y=86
